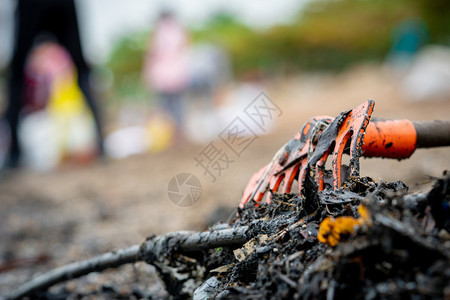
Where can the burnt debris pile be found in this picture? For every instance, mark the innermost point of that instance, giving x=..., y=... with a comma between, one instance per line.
x=366, y=241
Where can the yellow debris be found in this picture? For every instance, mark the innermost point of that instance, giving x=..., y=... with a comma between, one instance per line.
x=332, y=229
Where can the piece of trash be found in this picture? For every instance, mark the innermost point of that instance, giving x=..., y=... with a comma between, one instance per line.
x=250, y=247
x=332, y=230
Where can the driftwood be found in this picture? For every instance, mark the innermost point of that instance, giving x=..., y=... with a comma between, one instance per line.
x=150, y=251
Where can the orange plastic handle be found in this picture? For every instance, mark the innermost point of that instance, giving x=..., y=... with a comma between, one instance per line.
x=390, y=139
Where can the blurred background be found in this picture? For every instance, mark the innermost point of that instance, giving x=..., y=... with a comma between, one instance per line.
x=167, y=78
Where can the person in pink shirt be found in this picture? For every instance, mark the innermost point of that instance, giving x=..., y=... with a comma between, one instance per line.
x=165, y=66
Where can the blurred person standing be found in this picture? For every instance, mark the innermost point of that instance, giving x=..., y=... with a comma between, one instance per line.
x=58, y=18
x=209, y=70
x=209, y=79
x=165, y=67
x=408, y=37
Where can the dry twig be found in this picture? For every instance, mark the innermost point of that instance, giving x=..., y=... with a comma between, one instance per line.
x=150, y=251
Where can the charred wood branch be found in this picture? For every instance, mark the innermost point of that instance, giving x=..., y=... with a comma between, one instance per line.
x=99, y=263
x=151, y=251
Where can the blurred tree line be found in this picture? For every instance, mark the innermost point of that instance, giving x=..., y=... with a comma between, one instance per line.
x=326, y=34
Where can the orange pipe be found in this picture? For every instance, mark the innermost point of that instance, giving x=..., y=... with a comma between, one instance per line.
x=390, y=139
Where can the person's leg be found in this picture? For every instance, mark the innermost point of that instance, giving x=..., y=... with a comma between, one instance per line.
x=163, y=102
x=27, y=16
x=70, y=38
x=177, y=112
x=170, y=103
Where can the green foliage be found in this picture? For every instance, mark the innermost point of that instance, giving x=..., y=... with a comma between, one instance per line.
x=333, y=34
x=327, y=34
x=238, y=39
x=126, y=62
x=436, y=13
